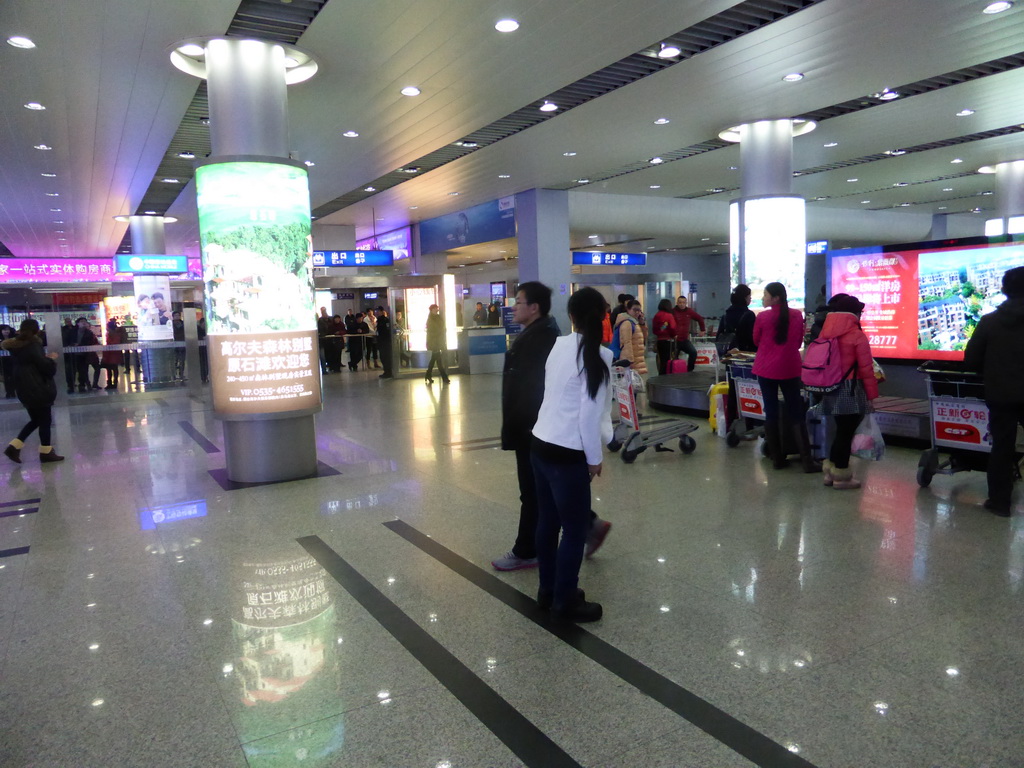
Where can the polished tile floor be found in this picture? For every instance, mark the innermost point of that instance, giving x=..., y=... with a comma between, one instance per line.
x=159, y=620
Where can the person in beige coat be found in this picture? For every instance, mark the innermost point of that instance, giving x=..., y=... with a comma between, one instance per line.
x=631, y=337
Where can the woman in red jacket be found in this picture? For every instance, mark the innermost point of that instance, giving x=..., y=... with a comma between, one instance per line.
x=664, y=332
x=848, y=404
x=779, y=334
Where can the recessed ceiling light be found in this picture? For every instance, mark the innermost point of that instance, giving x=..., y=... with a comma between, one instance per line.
x=734, y=167
x=593, y=237
x=656, y=161
x=187, y=155
x=947, y=189
x=852, y=180
x=58, y=221
x=904, y=205
x=413, y=207
x=831, y=144
x=370, y=189
x=55, y=210
x=59, y=231
x=942, y=207
x=49, y=175
x=20, y=42
x=504, y=176
x=307, y=163
x=43, y=147
x=668, y=51
x=453, y=194
x=350, y=134
x=150, y=213
x=568, y=154
x=715, y=190
x=901, y=184
x=192, y=49
x=864, y=202
x=886, y=95
x=548, y=106
x=507, y=25
x=655, y=186
x=662, y=121
x=987, y=192
x=793, y=77
x=895, y=152
x=991, y=8
x=704, y=239
x=35, y=105
x=965, y=113
x=53, y=194
x=956, y=161
x=61, y=238
x=582, y=181
x=410, y=90
x=171, y=181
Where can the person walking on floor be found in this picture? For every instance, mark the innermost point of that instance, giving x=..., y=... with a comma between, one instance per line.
x=996, y=350
x=384, y=342
x=573, y=426
x=33, y=380
x=684, y=316
x=664, y=334
x=851, y=402
x=779, y=334
x=436, y=344
x=522, y=392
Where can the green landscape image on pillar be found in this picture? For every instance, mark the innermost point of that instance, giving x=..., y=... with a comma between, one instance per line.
x=254, y=225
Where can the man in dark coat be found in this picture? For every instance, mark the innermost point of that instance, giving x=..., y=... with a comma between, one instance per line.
x=996, y=349
x=384, y=347
x=522, y=392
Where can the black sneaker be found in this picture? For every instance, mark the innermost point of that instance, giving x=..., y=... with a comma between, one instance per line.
x=997, y=508
x=579, y=612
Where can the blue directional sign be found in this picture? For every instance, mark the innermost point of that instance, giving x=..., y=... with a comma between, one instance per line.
x=152, y=264
x=603, y=259
x=353, y=258
x=817, y=247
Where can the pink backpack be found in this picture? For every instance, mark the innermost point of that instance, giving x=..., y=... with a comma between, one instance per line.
x=822, y=369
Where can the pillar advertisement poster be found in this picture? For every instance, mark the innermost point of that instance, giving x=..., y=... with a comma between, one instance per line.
x=923, y=304
x=254, y=222
x=153, y=308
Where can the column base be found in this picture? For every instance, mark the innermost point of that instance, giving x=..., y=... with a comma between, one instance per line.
x=270, y=450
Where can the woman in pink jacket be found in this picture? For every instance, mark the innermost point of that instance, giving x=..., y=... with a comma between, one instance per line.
x=779, y=334
x=848, y=404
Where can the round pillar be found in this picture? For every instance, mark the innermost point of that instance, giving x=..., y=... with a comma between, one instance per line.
x=1010, y=188
x=766, y=158
x=147, y=234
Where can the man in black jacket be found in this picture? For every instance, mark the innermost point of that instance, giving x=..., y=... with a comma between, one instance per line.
x=522, y=393
x=384, y=341
x=996, y=349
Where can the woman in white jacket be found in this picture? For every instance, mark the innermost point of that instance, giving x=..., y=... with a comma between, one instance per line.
x=572, y=428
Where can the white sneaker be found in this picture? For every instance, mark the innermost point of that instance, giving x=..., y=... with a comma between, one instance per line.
x=509, y=562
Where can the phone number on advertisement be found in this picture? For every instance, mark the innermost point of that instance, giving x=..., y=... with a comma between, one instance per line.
x=882, y=341
x=292, y=389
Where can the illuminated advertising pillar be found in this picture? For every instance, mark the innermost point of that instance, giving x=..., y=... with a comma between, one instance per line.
x=254, y=226
x=768, y=224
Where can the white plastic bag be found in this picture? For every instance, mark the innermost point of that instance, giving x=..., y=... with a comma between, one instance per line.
x=638, y=382
x=867, y=440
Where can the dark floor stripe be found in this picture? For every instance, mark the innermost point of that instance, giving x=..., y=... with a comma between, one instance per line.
x=521, y=736
x=16, y=512
x=16, y=503
x=739, y=737
x=492, y=446
x=14, y=551
x=199, y=437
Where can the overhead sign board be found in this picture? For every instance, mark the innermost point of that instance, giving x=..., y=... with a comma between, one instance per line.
x=817, y=247
x=353, y=258
x=141, y=264
x=603, y=259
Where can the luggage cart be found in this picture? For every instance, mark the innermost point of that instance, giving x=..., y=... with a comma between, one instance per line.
x=959, y=423
x=627, y=435
x=749, y=401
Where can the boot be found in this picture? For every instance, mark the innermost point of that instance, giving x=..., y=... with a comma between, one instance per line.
x=773, y=439
x=803, y=444
x=842, y=479
x=827, y=468
x=12, y=453
x=49, y=456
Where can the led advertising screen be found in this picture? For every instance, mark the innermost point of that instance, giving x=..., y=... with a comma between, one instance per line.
x=254, y=223
x=58, y=270
x=923, y=300
x=774, y=248
x=398, y=241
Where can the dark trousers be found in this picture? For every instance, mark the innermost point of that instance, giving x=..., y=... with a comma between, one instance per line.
x=685, y=345
x=70, y=368
x=83, y=363
x=1002, y=423
x=790, y=389
x=437, y=355
x=40, y=417
x=526, y=540
x=663, y=347
x=846, y=428
x=563, y=503
x=111, y=374
x=385, y=349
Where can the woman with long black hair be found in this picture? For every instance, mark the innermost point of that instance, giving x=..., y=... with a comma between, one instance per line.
x=573, y=426
x=779, y=334
x=33, y=379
